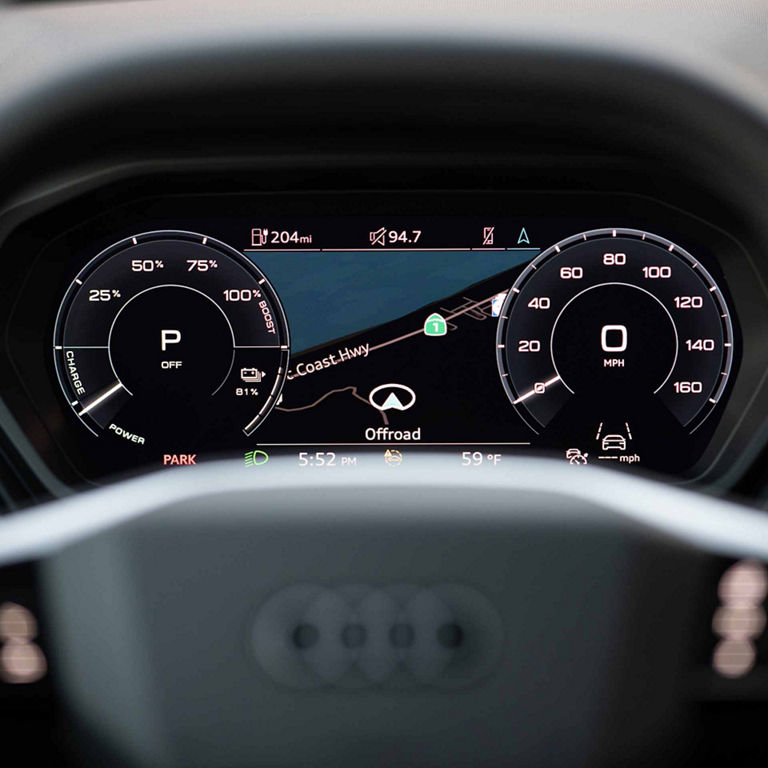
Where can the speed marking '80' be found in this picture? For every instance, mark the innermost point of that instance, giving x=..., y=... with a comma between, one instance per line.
x=614, y=259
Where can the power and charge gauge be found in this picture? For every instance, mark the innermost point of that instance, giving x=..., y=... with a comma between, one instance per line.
x=168, y=336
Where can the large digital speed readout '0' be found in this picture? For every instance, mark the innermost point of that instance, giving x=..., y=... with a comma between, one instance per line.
x=619, y=333
x=170, y=338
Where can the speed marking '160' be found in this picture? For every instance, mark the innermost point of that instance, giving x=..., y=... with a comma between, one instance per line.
x=688, y=387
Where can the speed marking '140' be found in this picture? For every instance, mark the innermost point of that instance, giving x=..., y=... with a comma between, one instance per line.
x=700, y=345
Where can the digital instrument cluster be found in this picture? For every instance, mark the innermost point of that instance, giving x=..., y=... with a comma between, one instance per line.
x=340, y=329
x=344, y=339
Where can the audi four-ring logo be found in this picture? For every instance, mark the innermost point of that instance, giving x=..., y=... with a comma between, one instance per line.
x=309, y=636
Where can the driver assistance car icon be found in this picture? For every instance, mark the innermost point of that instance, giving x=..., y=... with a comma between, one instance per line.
x=614, y=443
x=396, y=397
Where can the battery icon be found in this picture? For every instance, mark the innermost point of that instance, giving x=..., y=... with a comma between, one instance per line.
x=251, y=375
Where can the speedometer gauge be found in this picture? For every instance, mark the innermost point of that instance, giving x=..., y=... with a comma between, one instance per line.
x=166, y=337
x=619, y=327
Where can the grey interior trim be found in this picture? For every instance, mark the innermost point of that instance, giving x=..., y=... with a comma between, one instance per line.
x=55, y=56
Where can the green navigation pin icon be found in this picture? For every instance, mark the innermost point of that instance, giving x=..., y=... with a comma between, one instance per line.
x=435, y=325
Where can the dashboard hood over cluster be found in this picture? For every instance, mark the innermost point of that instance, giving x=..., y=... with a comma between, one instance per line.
x=62, y=63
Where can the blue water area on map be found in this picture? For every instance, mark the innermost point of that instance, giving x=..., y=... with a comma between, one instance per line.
x=331, y=294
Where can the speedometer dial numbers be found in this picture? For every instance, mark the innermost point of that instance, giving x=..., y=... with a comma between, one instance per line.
x=612, y=326
x=168, y=336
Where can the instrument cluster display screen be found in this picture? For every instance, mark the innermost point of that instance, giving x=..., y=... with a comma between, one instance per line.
x=215, y=329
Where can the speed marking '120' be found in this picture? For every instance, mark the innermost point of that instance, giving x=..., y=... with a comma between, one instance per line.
x=689, y=302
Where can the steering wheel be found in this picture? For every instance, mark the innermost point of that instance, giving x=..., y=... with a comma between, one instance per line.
x=212, y=617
